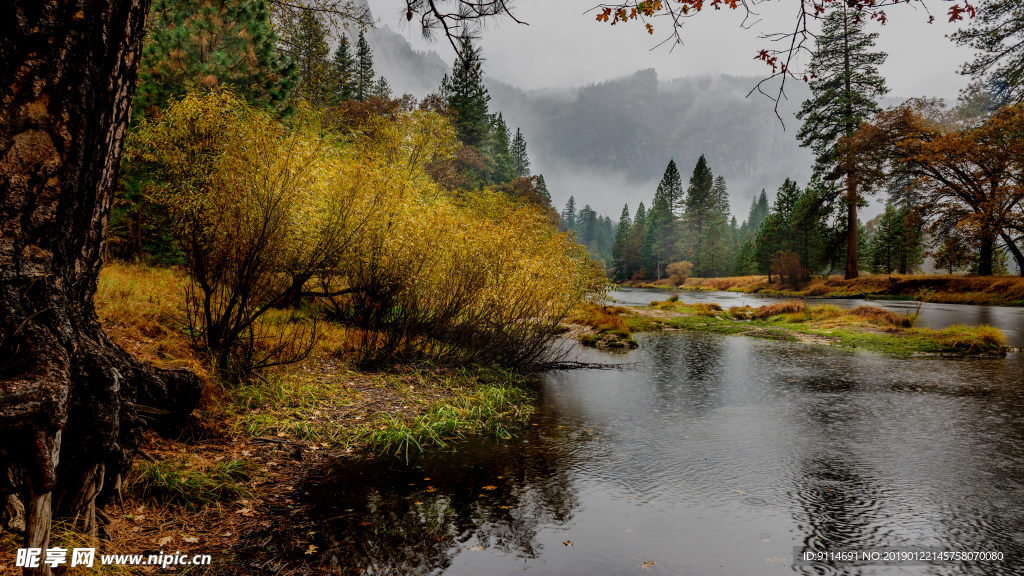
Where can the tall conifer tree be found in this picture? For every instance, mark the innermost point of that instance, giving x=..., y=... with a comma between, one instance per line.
x=520, y=160
x=845, y=86
x=620, y=249
x=311, y=53
x=364, y=69
x=501, y=139
x=700, y=211
x=345, y=67
x=467, y=97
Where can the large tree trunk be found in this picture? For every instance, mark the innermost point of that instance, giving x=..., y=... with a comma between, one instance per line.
x=1017, y=255
x=72, y=403
x=851, y=228
x=987, y=242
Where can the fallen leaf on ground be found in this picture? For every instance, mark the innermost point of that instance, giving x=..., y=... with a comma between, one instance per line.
x=490, y=487
x=431, y=489
x=477, y=548
x=567, y=543
x=647, y=565
x=246, y=512
x=164, y=541
x=190, y=539
x=311, y=549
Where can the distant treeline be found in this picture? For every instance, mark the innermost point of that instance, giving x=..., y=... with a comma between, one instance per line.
x=802, y=233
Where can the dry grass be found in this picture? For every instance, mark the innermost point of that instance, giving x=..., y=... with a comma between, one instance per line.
x=973, y=339
x=705, y=309
x=744, y=283
x=140, y=309
x=787, y=307
x=742, y=312
x=882, y=316
x=600, y=318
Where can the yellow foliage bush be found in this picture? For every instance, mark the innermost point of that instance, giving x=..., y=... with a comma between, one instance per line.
x=268, y=212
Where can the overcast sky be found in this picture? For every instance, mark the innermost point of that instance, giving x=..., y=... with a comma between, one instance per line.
x=564, y=46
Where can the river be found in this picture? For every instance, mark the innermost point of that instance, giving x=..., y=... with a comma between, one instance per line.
x=714, y=455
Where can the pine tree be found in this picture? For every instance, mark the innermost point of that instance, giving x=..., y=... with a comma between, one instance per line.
x=844, y=87
x=344, y=73
x=700, y=211
x=520, y=161
x=569, y=216
x=758, y=212
x=310, y=52
x=381, y=88
x=202, y=44
x=672, y=184
x=466, y=96
x=364, y=70
x=620, y=249
x=542, y=189
x=720, y=196
x=995, y=33
x=503, y=167
x=714, y=254
x=634, y=243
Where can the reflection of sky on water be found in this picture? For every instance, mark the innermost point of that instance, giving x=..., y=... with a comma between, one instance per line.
x=716, y=456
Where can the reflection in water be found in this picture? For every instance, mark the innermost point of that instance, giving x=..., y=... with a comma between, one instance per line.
x=717, y=456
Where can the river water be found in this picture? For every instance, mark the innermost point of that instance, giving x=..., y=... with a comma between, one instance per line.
x=713, y=455
x=1009, y=320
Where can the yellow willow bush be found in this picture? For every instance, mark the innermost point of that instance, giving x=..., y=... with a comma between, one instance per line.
x=268, y=213
x=258, y=207
x=476, y=278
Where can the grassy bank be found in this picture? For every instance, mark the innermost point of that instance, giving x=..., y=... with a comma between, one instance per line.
x=980, y=290
x=864, y=327
x=241, y=461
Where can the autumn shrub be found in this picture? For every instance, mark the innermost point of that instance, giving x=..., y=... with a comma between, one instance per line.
x=705, y=309
x=973, y=339
x=678, y=272
x=825, y=312
x=250, y=200
x=480, y=278
x=882, y=316
x=780, y=308
x=742, y=312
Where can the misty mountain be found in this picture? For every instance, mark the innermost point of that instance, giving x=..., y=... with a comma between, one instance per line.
x=615, y=138
x=608, y=143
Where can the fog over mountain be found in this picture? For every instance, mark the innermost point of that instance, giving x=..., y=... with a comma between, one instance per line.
x=608, y=143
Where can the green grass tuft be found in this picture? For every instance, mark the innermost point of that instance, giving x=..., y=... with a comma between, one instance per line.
x=179, y=482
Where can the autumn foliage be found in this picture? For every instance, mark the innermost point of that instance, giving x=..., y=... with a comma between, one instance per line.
x=345, y=218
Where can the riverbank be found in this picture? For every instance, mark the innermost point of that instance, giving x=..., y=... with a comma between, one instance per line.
x=944, y=289
x=865, y=327
x=239, y=465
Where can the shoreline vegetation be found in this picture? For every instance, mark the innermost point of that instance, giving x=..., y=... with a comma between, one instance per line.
x=938, y=289
x=239, y=467
x=865, y=327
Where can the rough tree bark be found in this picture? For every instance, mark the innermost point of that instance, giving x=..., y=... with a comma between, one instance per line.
x=72, y=403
